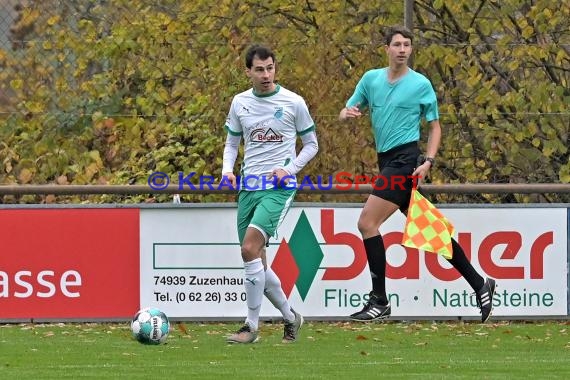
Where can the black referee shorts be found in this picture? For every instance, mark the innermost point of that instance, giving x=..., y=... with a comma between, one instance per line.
x=395, y=181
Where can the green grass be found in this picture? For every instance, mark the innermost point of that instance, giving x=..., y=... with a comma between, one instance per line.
x=325, y=350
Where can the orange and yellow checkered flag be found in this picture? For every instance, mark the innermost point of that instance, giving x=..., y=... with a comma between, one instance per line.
x=426, y=227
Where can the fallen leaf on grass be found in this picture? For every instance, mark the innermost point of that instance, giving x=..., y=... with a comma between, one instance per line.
x=182, y=328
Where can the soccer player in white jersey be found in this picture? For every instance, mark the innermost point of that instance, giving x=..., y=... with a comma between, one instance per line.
x=269, y=118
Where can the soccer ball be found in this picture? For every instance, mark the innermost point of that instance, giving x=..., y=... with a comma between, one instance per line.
x=150, y=326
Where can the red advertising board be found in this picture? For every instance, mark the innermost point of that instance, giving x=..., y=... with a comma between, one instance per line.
x=69, y=263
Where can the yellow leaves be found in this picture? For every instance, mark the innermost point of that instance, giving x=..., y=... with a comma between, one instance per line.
x=156, y=74
x=548, y=151
x=112, y=63
x=173, y=28
x=564, y=174
x=150, y=85
x=151, y=141
x=547, y=13
x=527, y=32
x=532, y=128
x=162, y=95
x=474, y=78
x=35, y=107
x=25, y=176
x=96, y=157
x=473, y=71
x=513, y=64
x=90, y=171
x=519, y=136
x=8, y=166
x=81, y=67
x=16, y=84
x=163, y=19
x=487, y=56
x=178, y=67
x=53, y=20
x=29, y=16
x=144, y=105
x=561, y=56
x=452, y=60
x=438, y=4
x=467, y=150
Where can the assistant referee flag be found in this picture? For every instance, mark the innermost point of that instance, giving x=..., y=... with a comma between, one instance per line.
x=426, y=227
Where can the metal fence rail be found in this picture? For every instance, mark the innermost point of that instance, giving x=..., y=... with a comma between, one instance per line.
x=479, y=188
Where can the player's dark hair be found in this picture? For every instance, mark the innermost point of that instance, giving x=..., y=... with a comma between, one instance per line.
x=262, y=52
x=392, y=31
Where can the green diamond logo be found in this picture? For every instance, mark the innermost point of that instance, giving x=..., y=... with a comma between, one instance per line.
x=307, y=254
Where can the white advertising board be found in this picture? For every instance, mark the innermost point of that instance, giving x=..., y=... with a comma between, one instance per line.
x=191, y=265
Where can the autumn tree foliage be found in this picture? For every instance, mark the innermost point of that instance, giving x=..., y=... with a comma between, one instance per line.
x=109, y=91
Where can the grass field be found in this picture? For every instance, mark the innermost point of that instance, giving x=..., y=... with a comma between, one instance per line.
x=325, y=350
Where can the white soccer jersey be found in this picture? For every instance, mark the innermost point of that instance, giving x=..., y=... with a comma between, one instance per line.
x=269, y=124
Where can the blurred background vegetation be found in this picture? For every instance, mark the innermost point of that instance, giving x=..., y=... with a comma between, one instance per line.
x=109, y=91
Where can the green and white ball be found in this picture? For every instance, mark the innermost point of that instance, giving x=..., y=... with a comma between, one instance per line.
x=150, y=326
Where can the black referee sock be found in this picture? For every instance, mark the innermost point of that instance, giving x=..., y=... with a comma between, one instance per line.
x=376, y=254
x=463, y=266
